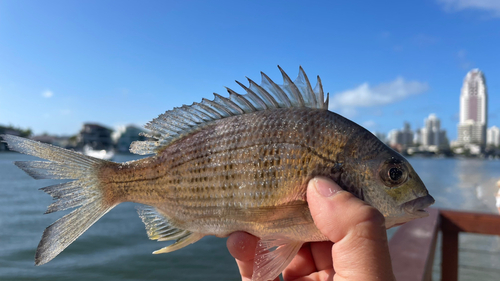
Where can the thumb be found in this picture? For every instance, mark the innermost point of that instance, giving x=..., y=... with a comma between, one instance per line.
x=360, y=250
x=336, y=211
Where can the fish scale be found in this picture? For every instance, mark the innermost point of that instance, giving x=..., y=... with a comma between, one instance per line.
x=241, y=163
x=189, y=168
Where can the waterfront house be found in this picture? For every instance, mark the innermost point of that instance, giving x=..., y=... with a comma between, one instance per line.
x=95, y=136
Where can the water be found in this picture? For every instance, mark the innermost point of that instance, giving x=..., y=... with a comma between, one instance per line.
x=117, y=247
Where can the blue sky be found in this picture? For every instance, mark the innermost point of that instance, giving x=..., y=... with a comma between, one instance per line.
x=63, y=63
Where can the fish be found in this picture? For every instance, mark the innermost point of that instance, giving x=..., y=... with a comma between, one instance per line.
x=237, y=163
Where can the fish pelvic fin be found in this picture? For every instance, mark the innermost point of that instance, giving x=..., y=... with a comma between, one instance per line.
x=272, y=255
x=159, y=227
x=84, y=190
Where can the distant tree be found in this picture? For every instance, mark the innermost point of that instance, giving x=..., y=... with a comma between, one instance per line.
x=26, y=133
x=22, y=132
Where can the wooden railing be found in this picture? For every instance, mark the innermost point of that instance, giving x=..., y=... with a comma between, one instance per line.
x=413, y=245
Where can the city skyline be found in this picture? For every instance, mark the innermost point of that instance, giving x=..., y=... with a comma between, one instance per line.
x=473, y=124
x=83, y=61
x=431, y=133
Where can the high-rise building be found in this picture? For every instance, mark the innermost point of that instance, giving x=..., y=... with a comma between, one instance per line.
x=431, y=133
x=493, y=136
x=473, y=109
x=403, y=137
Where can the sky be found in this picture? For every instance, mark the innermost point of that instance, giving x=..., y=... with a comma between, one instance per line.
x=63, y=63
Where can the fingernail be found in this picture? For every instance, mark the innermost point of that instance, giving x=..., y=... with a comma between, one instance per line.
x=326, y=188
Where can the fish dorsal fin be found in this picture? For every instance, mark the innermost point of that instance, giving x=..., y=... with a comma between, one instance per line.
x=268, y=95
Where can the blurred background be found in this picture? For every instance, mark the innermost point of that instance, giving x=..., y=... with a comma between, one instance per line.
x=421, y=75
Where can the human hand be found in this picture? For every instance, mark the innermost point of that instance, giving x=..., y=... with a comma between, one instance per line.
x=358, y=244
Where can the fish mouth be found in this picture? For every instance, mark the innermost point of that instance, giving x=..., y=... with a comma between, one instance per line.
x=416, y=207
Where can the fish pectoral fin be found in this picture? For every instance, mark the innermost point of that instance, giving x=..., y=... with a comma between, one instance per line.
x=272, y=255
x=182, y=242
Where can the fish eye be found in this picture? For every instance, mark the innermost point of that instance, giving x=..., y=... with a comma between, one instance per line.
x=393, y=174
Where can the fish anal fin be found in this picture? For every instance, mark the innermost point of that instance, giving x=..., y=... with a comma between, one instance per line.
x=182, y=242
x=160, y=227
x=272, y=255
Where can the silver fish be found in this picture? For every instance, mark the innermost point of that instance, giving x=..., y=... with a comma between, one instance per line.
x=231, y=164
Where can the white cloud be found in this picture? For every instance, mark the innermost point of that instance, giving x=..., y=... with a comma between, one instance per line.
x=47, y=94
x=369, y=124
x=348, y=112
x=457, y=5
x=367, y=96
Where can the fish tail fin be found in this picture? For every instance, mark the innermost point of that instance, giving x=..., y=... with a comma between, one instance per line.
x=84, y=190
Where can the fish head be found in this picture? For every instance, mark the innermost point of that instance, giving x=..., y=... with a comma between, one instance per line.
x=396, y=190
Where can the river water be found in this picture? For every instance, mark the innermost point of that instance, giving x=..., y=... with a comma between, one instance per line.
x=117, y=247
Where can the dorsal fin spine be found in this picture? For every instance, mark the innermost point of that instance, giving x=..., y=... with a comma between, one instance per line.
x=230, y=104
x=289, y=85
x=217, y=107
x=258, y=102
x=318, y=90
x=240, y=99
x=200, y=114
x=156, y=127
x=194, y=119
x=271, y=102
x=275, y=89
x=208, y=110
x=309, y=91
x=175, y=120
x=172, y=125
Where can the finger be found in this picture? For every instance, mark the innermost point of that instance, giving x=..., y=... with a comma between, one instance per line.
x=241, y=246
x=312, y=257
x=324, y=275
x=358, y=230
x=322, y=254
x=301, y=265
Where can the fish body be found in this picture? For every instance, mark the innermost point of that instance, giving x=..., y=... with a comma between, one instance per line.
x=237, y=164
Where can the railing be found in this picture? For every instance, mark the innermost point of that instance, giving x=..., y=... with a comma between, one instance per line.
x=413, y=245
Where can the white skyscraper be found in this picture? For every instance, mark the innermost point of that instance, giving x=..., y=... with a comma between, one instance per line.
x=473, y=109
x=493, y=136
